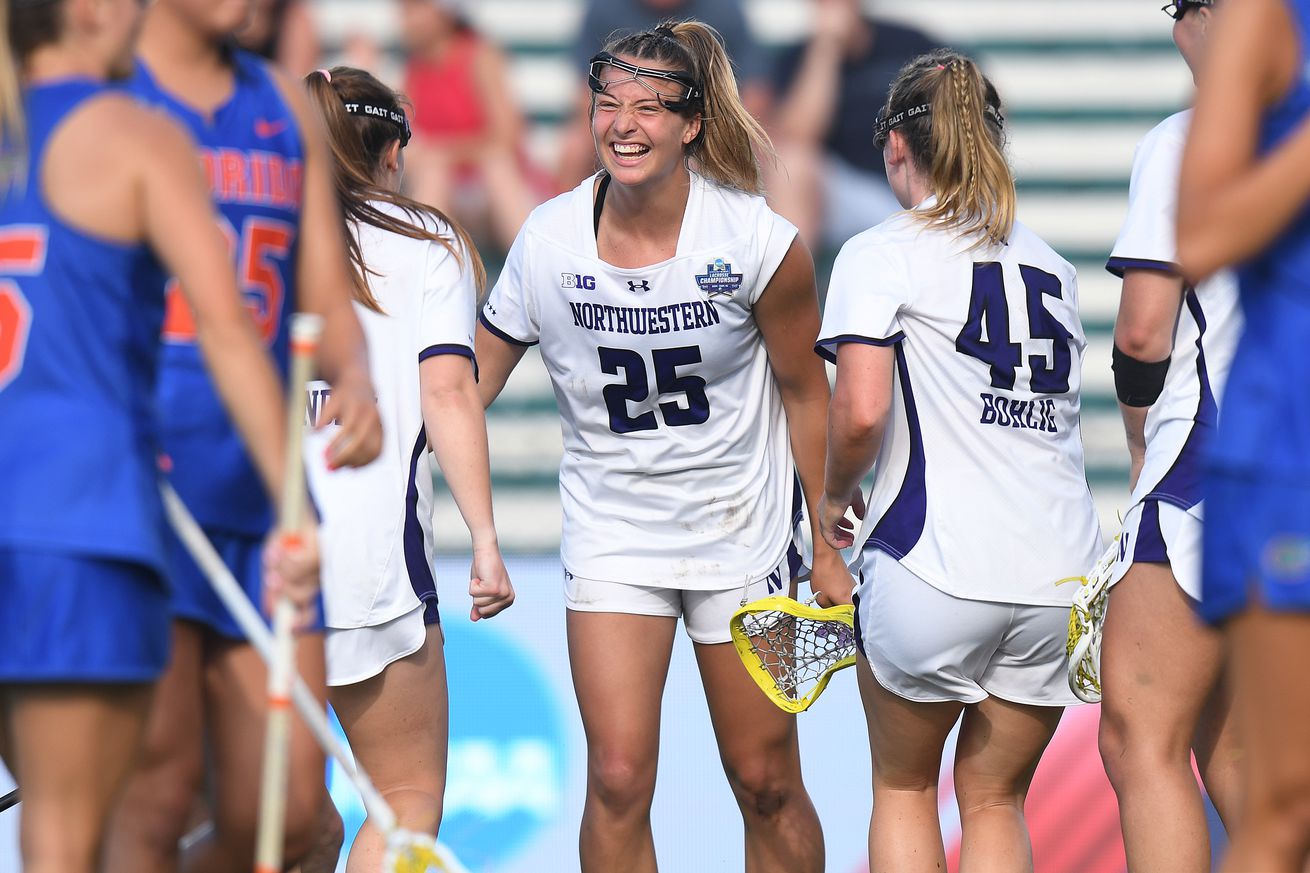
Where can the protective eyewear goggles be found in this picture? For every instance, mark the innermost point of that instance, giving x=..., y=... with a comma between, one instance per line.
x=687, y=93
x=885, y=123
x=372, y=110
x=1178, y=8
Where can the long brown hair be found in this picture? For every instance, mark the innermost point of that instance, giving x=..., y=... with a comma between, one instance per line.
x=730, y=137
x=26, y=27
x=959, y=144
x=358, y=143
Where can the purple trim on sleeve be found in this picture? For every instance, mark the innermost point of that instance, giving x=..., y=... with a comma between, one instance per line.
x=446, y=349
x=826, y=348
x=1118, y=265
x=500, y=333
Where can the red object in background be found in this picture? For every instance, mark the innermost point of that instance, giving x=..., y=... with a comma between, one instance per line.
x=1072, y=813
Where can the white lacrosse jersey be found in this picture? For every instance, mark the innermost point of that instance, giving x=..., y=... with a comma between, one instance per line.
x=1182, y=419
x=979, y=487
x=376, y=537
x=677, y=469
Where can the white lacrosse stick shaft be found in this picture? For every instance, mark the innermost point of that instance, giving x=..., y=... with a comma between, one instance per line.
x=305, y=333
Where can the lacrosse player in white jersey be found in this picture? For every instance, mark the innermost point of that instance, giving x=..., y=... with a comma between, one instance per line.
x=675, y=313
x=958, y=348
x=417, y=278
x=1172, y=347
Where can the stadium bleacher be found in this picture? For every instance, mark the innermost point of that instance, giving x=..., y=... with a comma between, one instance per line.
x=1082, y=82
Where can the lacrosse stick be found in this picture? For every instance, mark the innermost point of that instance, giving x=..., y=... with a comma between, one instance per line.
x=407, y=852
x=1086, y=621
x=305, y=332
x=791, y=649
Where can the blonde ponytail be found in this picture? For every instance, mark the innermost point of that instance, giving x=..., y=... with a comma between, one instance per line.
x=730, y=137
x=13, y=126
x=959, y=144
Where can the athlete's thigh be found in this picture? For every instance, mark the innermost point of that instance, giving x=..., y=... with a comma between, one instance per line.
x=397, y=721
x=747, y=724
x=1269, y=651
x=72, y=747
x=174, y=746
x=619, y=664
x=906, y=737
x=236, y=690
x=1159, y=662
x=1000, y=743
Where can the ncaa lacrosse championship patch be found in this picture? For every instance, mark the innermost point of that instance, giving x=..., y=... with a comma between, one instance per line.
x=718, y=278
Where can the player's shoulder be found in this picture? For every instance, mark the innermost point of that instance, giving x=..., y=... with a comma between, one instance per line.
x=1168, y=136
x=1031, y=250
x=728, y=217
x=556, y=223
x=888, y=238
x=119, y=119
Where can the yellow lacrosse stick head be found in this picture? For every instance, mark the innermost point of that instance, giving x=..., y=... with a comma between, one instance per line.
x=791, y=649
x=408, y=852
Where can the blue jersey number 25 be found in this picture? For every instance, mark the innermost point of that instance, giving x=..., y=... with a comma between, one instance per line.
x=635, y=388
x=989, y=308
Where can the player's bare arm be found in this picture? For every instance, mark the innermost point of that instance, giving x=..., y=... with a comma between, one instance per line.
x=496, y=360
x=1144, y=330
x=788, y=317
x=457, y=432
x=1229, y=207
x=857, y=417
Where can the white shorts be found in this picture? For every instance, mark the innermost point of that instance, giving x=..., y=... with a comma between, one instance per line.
x=358, y=653
x=706, y=614
x=1161, y=533
x=928, y=646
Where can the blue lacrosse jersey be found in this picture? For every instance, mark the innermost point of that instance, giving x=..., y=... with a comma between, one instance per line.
x=1265, y=425
x=253, y=157
x=79, y=336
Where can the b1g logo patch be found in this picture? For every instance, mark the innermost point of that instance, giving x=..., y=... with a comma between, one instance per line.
x=718, y=278
x=577, y=280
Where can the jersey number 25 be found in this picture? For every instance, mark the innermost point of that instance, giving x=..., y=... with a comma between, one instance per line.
x=636, y=388
x=989, y=308
x=263, y=243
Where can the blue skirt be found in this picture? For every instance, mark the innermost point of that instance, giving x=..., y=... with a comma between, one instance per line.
x=194, y=598
x=75, y=618
x=1257, y=544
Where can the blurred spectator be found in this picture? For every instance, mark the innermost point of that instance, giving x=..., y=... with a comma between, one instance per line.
x=284, y=32
x=832, y=183
x=603, y=17
x=466, y=157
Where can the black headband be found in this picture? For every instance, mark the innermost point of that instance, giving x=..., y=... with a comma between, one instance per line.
x=885, y=123
x=691, y=93
x=374, y=111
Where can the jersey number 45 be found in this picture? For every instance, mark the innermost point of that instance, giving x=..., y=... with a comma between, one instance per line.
x=989, y=309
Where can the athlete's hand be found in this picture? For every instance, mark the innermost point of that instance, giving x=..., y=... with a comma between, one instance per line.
x=353, y=405
x=838, y=530
x=489, y=584
x=830, y=579
x=291, y=568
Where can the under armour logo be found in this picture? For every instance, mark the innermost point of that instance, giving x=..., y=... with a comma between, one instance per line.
x=638, y=287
